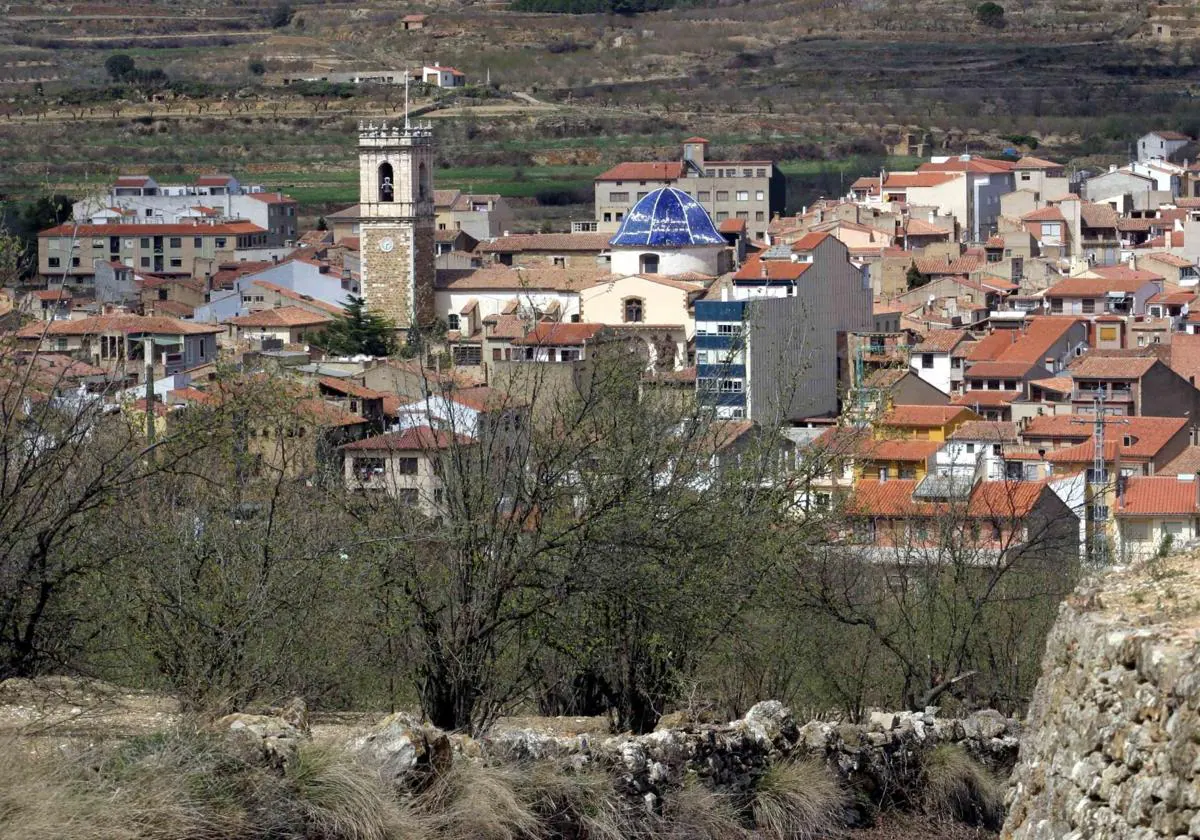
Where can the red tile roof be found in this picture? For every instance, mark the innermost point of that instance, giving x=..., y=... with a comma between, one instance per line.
x=1093, y=286
x=1097, y=366
x=695, y=140
x=934, y=266
x=1125, y=273
x=286, y=316
x=518, y=242
x=349, y=388
x=898, y=450
x=51, y=294
x=646, y=171
x=998, y=370
x=752, y=270
x=1147, y=435
x=925, y=416
x=905, y=180
x=1158, y=496
x=732, y=226
x=1170, y=135
x=809, y=241
x=974, y=164
x=213, y=180
x=560, y=334
x=128, y=324
x=940, y=341
x=1028, y=345
x=1045, y=214
x=420, y=439
x=1028, y=162
x=982, y=398
x=989, y=499
x=986, y=430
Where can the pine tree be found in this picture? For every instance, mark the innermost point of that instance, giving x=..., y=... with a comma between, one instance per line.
x=358, y=331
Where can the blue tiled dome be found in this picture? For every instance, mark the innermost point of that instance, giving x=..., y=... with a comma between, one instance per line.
x=667, y=218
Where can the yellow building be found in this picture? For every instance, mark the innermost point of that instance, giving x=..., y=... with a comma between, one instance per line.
x=924, y=422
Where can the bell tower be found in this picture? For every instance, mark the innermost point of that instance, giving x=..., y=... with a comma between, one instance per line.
x=395, y=166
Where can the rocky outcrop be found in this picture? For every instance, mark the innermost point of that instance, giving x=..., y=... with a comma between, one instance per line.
x=1113, y=738
x=880, y=759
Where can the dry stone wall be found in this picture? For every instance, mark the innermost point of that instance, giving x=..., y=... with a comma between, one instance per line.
x=1112, y=750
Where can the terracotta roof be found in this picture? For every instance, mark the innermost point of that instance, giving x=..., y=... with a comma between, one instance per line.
x=1148, y=435
x=752, y=270
x=866, y=183
x=51, y=294
x=215, y=180
x=420, y=439
x=1028, y=345
x=1186, y=462
x=519, y=242
x=647, y=171
x=998, y=370
x=350, y=388
x=1171, y=135
x=1125, y=273
x=940, y=341
x=809, y=241
x=983, y=398
x=324, y=414
x=1096, y=366
x=519, y=280
x=559, y=334
x=286, y=316
x=1045, y=214
x=1169, y=259
x=1173, y=296
x=1058, y=384
x=1184, y=356
x=1097, y=215
x=989, y=499
x=696, y=140
x=181, y=229
x=974, y=164
x=898, y=450
x=925, y=416
x=482, y=398
x=273, y=198
x=905, y=180
x=918, y=227
x=996, y=431
x=132, y=180
x=1028, y=162
x=933, y=266
x=173, y=308
x=1093, y=286
x=1158, y=496
x=732, y=226
x=128, y=324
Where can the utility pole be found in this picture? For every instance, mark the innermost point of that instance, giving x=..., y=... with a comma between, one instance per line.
x=1098, y=483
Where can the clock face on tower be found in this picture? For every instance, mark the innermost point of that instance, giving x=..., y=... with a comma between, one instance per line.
x=386, y=244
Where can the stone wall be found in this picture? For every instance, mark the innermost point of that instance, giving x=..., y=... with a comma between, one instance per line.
x=1113, y=738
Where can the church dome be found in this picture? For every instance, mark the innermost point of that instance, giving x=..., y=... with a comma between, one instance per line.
x=666, y=218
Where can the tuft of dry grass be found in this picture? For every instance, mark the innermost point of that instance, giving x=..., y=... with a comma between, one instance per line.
x=696, y=812
x=798, y=800
x=959, y=787
x=476, y=800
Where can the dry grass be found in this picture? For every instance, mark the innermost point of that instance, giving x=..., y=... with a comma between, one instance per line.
x=959, y=787
x=798, y=800
x=477, y=800
x=694, y=812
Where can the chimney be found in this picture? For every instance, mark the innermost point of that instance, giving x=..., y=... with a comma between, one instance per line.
x=724, y=294
x=763, y=264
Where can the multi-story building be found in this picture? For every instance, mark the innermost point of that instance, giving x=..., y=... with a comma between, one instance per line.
x=749, y=189
x=190, y=249
x=213, y=198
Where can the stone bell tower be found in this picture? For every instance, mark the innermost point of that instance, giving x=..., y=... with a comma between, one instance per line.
x=395, y=165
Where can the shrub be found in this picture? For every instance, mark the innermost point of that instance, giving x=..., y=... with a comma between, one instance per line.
x=472, y=799
x=990, y=14
x=280, y=16
x=256, y=67
x=959, y=787
x=797, y=800
x=119, y=67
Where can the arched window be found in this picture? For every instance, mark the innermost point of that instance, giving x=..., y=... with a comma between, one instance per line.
x=387, y=186
x=422, y=182
x=634, y=310
x=648, y=264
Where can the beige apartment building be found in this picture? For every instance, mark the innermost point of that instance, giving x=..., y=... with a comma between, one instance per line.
x=191, y=250
x=749, y=189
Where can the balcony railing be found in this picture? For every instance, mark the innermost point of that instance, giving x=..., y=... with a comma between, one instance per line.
x=1106, y=394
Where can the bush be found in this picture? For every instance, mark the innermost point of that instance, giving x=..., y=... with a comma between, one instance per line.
x=959, y=787
x=119, y=67
x=256, y=67
x=280, y=16
x=798, y=800
x=990, y=14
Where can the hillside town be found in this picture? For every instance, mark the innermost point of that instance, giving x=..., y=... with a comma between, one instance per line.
x=1001, y=333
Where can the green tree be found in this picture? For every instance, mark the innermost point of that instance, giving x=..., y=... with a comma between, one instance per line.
x=359, y=332
x=915, y=278
x=256, y=67
x=322, y=224
x=120, y=67
x=990, y=14
x=280, y=15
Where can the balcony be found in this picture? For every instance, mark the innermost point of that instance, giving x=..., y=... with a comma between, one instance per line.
x=1108, y=394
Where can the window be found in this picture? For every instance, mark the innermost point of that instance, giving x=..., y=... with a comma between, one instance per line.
x=760, y=173
x=570, y=355
x=1056, y=305
x=760, y=216
x=722, y=215
x=608, y=217
x=98, y=243
x=1108, y=333
x=219, y=242
x=618, y=197
x=742, y=214
x=1137, y=531
x=53, y=262
x=452, y=321
x=496, y=354
x=970, y=449
x=759, y=195
x=704, y=195
x=722, y=195
x=642, y=195
x=406, y=466
x=634, y=310
x=75, y=262
x=742, y=195
x=560, y=262
x=746, y=173
x=176, y=262
x=1089, y=306
x=176, y=241
x=145, y=262
x=1025, y=176
x=729, y=386
x=366, y=469
x=926, y=360
x=1051, y=230
x=197, y=242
